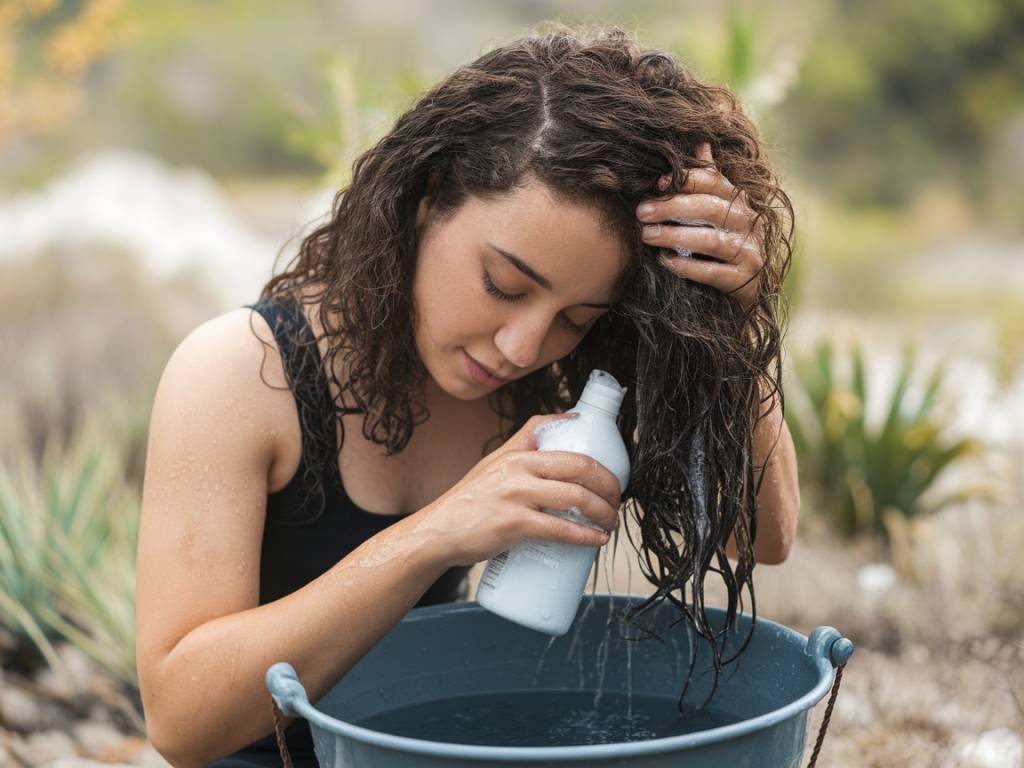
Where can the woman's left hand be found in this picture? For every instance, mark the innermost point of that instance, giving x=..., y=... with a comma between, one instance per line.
x=734, y=241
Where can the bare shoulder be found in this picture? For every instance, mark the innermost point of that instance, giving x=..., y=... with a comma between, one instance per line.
x=228, y=344
x=214, y=432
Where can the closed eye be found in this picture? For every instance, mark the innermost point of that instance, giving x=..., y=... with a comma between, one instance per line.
x=495, y=291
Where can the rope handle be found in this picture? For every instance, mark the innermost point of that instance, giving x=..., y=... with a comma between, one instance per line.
x=828, y=716
x=282, y=745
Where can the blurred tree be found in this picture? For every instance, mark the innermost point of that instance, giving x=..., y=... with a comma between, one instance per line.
x=357, y=114
x=894, y=96
x=46, y=50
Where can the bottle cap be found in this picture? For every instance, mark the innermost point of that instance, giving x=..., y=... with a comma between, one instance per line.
x=603, y=391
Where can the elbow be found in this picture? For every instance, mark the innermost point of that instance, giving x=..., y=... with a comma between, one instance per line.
x=178, y=759
x=165, y=731
x=779, y=552
x=171, y=746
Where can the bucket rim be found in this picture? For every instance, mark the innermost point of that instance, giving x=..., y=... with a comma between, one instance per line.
x=816, y=655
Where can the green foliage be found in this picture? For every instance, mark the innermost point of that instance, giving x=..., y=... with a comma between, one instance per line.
x=68, y=532
x=358, y=110
x=793, y=284
x=894, y=97
x=23, y=598
x=740, y=49
x=854, y=472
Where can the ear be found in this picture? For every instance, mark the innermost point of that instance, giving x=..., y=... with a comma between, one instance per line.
x=422, y=211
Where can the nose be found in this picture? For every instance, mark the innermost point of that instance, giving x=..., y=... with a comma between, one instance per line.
x=521, y=339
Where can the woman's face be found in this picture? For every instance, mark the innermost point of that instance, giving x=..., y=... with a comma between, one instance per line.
x=508, y=285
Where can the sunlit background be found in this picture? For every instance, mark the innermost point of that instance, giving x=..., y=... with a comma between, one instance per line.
x=155, y=158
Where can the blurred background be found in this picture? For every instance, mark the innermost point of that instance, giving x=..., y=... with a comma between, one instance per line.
x=155, y=158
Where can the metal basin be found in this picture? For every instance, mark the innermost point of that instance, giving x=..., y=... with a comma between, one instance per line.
x=457, y=660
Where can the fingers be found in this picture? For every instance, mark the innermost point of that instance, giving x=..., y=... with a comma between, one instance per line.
x=711, y=209
x=706, y=181
x=727, y=278
x=720, y=244
x=709, y=217
x=704, y=152
x=570, y=497
x=541, y=525
x=575, y=468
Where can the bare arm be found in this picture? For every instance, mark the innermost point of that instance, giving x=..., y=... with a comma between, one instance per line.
x=778, y=501
x=203, y=642
x=212, y=691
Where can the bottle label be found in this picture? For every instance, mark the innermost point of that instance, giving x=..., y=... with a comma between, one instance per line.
x=544, y=552
x=492, y=572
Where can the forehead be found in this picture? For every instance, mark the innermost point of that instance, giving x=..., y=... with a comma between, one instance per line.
x=569, y=243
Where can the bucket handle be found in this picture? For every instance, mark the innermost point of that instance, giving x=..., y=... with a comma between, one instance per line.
x=287, y=697
x=828, y=643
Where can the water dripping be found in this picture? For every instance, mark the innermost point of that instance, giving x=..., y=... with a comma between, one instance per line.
x=629, y=673
x=602, y=651
x=589, y=603
x=576, y=635
x=540, y=662
x=675, y=657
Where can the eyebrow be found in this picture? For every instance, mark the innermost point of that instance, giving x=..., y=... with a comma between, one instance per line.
x=534, y=275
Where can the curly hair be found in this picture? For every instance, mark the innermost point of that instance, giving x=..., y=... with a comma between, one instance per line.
x=597, y=120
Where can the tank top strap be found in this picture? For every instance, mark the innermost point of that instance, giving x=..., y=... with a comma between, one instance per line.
x=300, y=357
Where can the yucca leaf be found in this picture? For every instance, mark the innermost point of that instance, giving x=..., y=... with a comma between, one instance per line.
x=22, y=618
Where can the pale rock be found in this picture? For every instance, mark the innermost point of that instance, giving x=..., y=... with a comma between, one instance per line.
x=854, y=709
x=136, y=203
x=97, y=739
x=127, y=750
x=44, y=747
x=19, y=710
x=55, y=686
x=876, y=578
x=998, y=748
x=6, y=756
x=100, y=714
x=82, y=673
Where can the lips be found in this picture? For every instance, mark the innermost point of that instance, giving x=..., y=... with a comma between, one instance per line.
x=487, y=373
x=492, y=373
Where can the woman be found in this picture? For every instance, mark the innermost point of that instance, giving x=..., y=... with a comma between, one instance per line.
x=345, y=449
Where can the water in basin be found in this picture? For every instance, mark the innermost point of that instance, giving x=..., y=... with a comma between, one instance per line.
x=545, y=718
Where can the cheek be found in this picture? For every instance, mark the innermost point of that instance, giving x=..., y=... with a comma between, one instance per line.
x=453, y=308
x=469, y=314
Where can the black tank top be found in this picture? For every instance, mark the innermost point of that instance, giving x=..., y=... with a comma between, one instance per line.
x=295, y=553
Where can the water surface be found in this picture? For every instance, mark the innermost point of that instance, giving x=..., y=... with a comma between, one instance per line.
x=540, y=718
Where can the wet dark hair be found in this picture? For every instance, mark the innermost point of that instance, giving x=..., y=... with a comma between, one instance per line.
x=597, y=120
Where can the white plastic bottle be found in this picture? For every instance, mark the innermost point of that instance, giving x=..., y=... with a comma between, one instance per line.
x=539, y=583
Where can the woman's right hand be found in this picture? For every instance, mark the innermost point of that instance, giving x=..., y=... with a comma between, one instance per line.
x=498, y=503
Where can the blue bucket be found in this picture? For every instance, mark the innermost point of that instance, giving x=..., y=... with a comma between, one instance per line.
x=446, y=652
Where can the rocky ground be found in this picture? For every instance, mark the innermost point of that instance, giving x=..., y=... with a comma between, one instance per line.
x=75, y=720
x=937, y=680
x=937, y=677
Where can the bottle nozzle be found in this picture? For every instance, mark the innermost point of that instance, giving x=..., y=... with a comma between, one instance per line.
x=603, y=391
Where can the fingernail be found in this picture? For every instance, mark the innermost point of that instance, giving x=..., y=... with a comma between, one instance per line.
x=651, y=230
x=645, y=209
